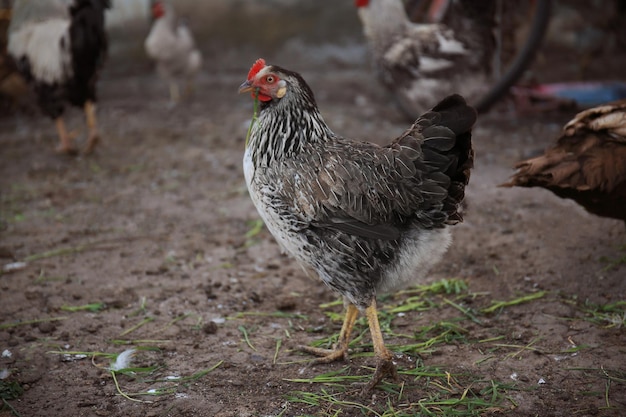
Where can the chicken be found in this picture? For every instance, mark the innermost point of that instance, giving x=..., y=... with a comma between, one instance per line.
x=422, y=63
x=171, y=45
x=587, y=164
x=60, y=47
x=366, y=218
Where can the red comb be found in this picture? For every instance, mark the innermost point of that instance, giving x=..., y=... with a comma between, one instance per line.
x=256, y=67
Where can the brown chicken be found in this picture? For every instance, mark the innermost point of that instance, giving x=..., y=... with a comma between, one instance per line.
x=587, y=164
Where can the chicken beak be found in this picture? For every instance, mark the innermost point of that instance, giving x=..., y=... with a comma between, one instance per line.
x=245, y=87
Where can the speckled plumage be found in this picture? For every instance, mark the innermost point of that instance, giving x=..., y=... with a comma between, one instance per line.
x=366, y=218
x=354, y=211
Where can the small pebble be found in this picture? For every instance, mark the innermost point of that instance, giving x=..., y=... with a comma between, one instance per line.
x=209, y=327
x=46, y=327
x=286, y=303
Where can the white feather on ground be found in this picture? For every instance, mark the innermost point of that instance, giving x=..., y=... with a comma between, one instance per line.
x=123, y=360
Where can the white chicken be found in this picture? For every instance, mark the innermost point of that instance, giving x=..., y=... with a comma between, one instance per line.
x=422, y=63
x=171, y=45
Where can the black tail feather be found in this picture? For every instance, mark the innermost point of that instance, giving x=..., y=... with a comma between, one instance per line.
x=455, y=114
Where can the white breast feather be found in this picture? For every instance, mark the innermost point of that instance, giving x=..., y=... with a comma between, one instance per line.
x=173, y=49
x=261, y=196
x=46, y=44
x=415, y=258
x=161, y=43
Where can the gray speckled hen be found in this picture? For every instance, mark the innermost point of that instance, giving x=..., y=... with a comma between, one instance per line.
x=366, y=218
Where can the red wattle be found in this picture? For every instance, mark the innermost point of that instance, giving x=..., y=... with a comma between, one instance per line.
x=262, y=97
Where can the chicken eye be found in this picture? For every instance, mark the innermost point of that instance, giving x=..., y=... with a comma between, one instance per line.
x=269, y=79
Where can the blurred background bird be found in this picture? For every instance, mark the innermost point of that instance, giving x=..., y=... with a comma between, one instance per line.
x=171, y=45
x=59, y=47
x=423, y=62
x=587, y=164
x=366, y=218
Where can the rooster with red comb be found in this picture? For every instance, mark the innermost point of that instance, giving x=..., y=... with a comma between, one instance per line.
x=171, y=45
x=368, y=219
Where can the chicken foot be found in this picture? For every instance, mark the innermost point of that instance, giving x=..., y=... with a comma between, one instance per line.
x=341, y=348
x=92, y=125
x=384, y=357
x=384, y=366
x=66, y=139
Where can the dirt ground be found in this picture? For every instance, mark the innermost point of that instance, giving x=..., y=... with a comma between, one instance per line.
x=156, y=233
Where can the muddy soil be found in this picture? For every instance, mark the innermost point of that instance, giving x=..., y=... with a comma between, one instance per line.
x=157, y=230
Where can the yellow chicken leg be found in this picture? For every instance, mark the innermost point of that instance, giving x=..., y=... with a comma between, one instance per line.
x=66, y=144
x=341, y=348
x=385, y=366
x=92, y=125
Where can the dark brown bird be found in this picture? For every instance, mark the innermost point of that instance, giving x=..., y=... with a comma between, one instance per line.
x=587, y=164
x=366, y=218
